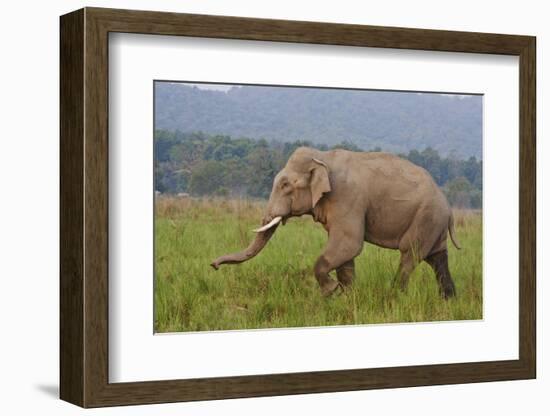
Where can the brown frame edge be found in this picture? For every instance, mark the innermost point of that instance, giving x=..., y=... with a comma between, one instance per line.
x=84, y=207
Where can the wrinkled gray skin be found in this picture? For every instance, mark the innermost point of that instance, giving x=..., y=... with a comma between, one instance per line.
x=356, y=196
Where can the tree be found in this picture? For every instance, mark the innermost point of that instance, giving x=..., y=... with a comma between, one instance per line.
x=459, y=192
x=347, y=145
x=260, y=172
x=470, y=169
x=431, y=161
x=206, y=178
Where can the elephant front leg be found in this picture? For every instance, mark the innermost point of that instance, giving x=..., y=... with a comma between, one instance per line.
x=346, y=273
x=326, y=283
x=341, y=249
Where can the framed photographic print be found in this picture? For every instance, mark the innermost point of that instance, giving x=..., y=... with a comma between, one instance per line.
x=255, y=207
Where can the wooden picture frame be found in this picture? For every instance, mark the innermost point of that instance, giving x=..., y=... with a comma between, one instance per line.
x=84, y=207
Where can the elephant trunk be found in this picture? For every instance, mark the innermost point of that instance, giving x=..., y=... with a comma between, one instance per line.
x=262, y=237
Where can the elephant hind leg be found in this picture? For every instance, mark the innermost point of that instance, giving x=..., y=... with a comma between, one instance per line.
x=407, y=264
x=440, y=264
x=418, y=242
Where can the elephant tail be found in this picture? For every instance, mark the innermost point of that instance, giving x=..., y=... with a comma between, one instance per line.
x=452, y=231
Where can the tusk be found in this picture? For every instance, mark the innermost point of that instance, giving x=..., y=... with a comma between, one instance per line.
x=273, y=222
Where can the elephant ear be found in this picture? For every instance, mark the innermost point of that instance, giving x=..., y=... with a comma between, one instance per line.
x=320, y=183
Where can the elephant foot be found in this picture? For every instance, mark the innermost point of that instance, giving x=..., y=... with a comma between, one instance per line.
x=448, y=292
x=329, y=288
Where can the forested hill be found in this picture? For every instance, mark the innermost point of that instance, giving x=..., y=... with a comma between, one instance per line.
x=395, y=122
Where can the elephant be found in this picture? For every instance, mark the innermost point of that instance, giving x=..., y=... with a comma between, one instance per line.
x=359, y=197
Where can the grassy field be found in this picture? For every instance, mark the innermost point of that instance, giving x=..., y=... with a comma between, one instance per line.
x=277, y=288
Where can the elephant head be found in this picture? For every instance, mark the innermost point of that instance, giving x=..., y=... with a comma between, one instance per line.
x=297, y=189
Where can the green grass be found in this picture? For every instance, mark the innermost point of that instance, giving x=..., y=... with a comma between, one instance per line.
x=277, y=288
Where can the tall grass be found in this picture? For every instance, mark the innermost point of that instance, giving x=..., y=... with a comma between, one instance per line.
x=277, y=288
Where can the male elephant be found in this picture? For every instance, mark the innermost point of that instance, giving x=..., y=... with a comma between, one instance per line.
x=360, y=196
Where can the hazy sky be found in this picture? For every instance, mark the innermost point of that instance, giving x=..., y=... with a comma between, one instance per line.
x=217, y=87
x=226, y=87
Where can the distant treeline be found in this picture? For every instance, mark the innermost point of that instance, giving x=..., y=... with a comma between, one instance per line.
x=218, y=165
